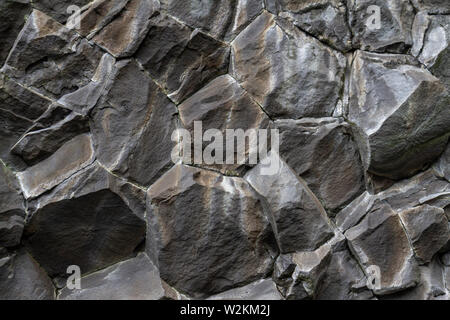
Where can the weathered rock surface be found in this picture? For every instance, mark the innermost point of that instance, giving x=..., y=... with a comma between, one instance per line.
x=12, y=18
x=223, y=105
x=223, y=19
x=134, y=279
x=329, y=163
x=124, y=34
x=394, y=31
x=21, y=278
x=275, y=69
x=428, y=230
x=132, y=126
x=352, y=202
x=259, y=290
x=379, y=240
x=326, y=20
x=92, y=220
x=12, y=210
x=228, y=239
x=181, y=59
x=300, y=222
x=402, y=111
x=58, y=10
x=51, y=58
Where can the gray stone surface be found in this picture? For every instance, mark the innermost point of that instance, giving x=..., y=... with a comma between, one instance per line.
x=92, y=173
x=276, y=69
x=134, y=279
x=229, y=237
x=21, y=278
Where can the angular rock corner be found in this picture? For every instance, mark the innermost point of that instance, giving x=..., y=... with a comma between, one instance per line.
x=359, y=207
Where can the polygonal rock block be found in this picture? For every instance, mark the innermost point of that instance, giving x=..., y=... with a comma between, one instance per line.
x=91, y=220
x=221, y=105
x=73, y=156
x=402, y=111
x=393, y=34
x=259, y=290
x=300, y=222
x=125, y=33
x=326, y=20
x=132, y=126
x=181, y=59
x=21, y=278
x=13, y=14
x=51, y=58
x=290, y=74
x=380, y=243
x=58, y=10
x=133, y=279
x=207, y=232
x=12, y=211
x=428, y=230
x=222, y=19
x=330, y=162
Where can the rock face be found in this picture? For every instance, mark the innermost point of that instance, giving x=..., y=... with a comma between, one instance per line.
x=273, y=61
x=233, y=149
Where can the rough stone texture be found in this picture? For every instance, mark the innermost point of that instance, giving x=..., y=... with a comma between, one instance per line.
x=12, y=17
x=229, y=235
x=258, y=290
x=274, y=62
x=326, y=20
x=222, y=105
x=222, y=19
x=180, y=58
x=92, y=118
x=300, y=222
x=402, y=111
x=133, y=124
x=135, y=279
x=92, y=220
x=12, y=211
x=379, y=240
x=330, y=162
x=394, y=34
x=21, y=278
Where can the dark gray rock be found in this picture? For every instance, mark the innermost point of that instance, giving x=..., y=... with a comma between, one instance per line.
x=51, y=58
x=330, y=162
x=125, y=33
x=326, y=20
x=73, y=156
x=221, y=105
x=390, y=99
x=394, y=34
x=300, y=222
x=379, y=240
x=288, y=73
x=132, y=126
x=258, y=290
x=37, y=145
x=21, y=278
x=12, y=209
x=432, y=6
x=221, y=221
x=13, y=14
x=222, y=19
x=181, y=59
x=428, y=230
x=92, y=220
x=58, y=9
x=134, y=279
